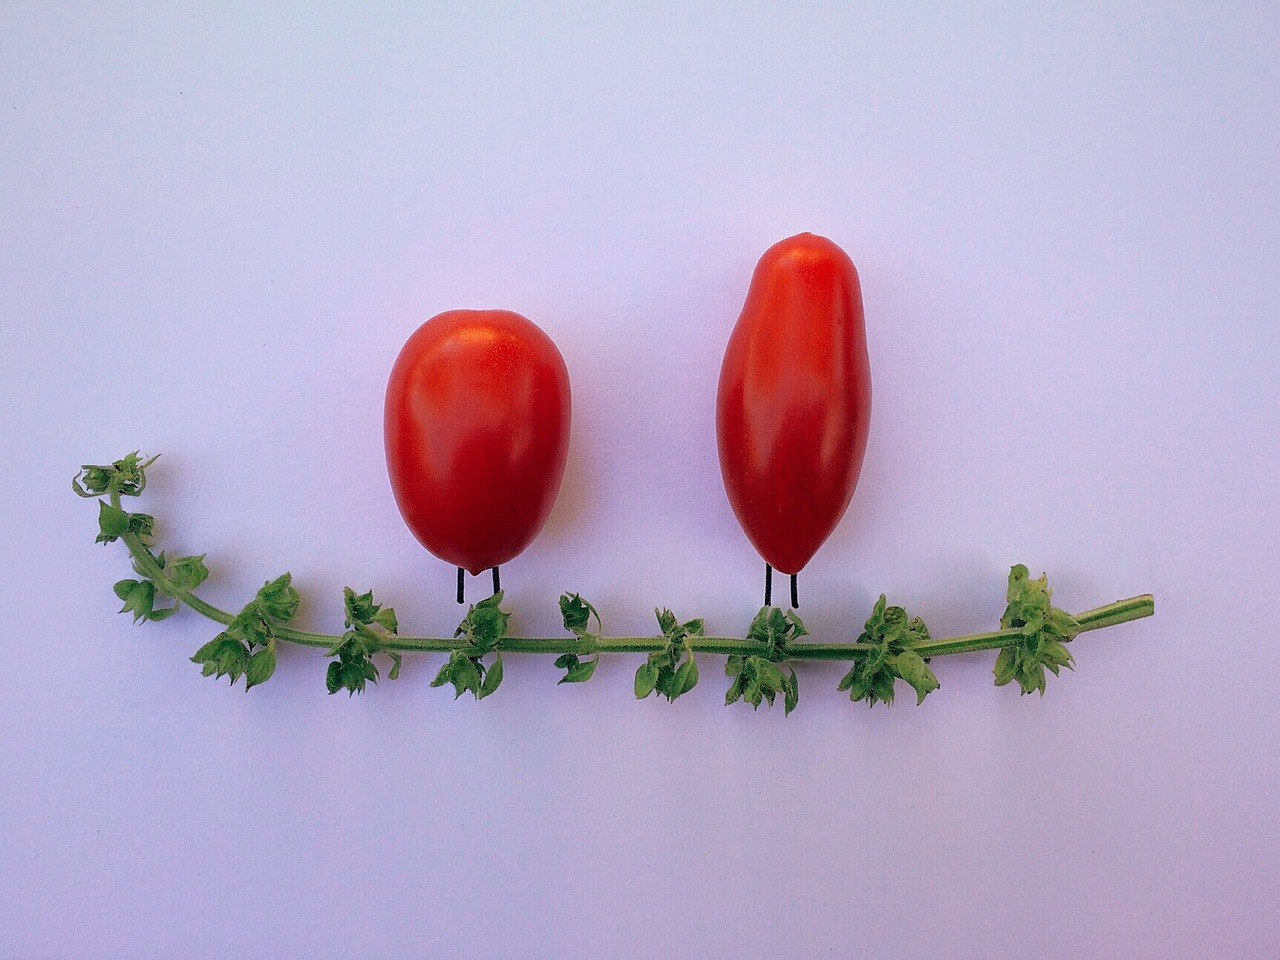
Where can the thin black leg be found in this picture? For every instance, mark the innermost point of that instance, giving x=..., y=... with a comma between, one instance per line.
x=461, y=583
x=768, y=585
x=795, y=594
x=497, y=582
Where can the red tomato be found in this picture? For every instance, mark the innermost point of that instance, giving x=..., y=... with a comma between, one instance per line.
x=794, y=403
x=477, y=432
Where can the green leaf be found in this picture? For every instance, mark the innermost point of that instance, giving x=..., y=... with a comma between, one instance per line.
x=139, y=600
x=792, y=694
x=445, y=675
x=187, y=573
x=485, y=624
x=646, y=680
x=576, y=669
x=207, y=652
x=394, y=673
x=759, y=628
x=96, y=481
x=1055, y=655
x=462, y=671
x=771, y=678
x=686, y=678
x=666, y=621
x=492, y=677
x=736, y=688
x=142, y=525
x=911, y=667
x=577, y=614
x=342, y=642
x=797, y=625
x=259, y=668
x=1005, y=669
x=129, y=475
x=278, y=599
x=112, y=522
x=249, y=625
x=359, y=608
x=333, y=677
x=162, y=614
x=352, y=675
x=581, y=671
x=847, y=680
x=775, y=628
x=224, y=655
x=487, y=627
x=362, y=612
x=465, y=676
x=666, y=681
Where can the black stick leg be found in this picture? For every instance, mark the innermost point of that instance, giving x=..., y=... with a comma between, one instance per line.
x=461, y=583
x=795, y=594
x=768, y=585
x=497, y=582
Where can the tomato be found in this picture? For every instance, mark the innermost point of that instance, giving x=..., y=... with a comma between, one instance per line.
x=794, y=402
x=477, y=432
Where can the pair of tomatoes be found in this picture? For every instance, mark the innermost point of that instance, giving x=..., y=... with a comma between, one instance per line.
x=478, y=407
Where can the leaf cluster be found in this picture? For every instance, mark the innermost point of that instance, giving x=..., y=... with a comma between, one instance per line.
x=114, y=523
x=483, y=627
x=577, y=614
x=235, y=652
x=368, y=626
x=127, y=477
x=892, y=634
x=179, y=576
x=1045, y=630
x=775, y=629
x=671, y=671
x=757, y=678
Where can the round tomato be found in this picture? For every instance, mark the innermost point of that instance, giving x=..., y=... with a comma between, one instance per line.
x=794, y=403
x=477, y=432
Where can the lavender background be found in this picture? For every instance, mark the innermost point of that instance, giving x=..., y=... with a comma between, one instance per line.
x=218, y=226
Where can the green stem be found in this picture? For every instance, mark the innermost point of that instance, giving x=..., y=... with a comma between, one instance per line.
x=1110, y=615
x=147, y=565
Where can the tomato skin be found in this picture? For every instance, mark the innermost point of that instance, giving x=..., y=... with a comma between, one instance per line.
x=477, y=432
x=793, y=408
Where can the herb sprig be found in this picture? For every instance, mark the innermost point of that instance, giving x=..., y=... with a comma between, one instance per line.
x=759, y=677
x=892, y=645
x=893, y=638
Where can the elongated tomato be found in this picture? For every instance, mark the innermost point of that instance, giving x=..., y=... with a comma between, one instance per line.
x=477, y=432
x=794, y=402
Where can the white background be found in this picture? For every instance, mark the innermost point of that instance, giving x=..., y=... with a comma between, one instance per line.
x=219, y=227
